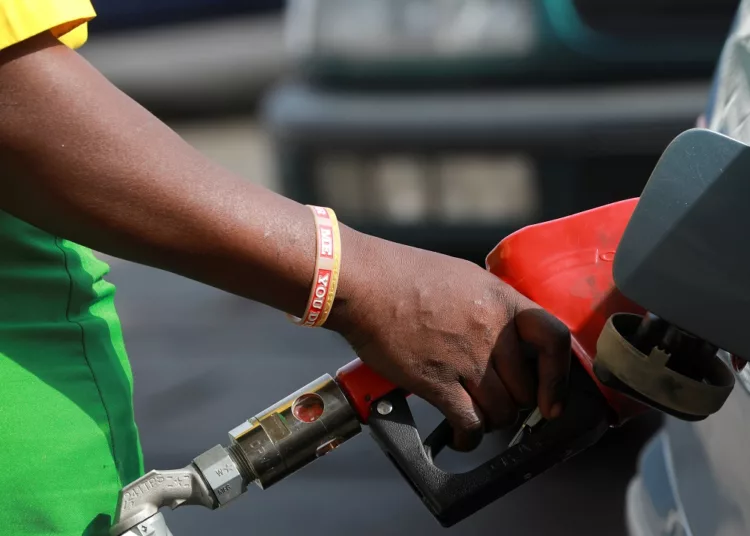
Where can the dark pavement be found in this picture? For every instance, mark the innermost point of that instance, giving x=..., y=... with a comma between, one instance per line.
x=204, y=361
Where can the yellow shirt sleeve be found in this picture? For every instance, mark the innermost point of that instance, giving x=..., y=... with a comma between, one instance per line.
x=66, y=19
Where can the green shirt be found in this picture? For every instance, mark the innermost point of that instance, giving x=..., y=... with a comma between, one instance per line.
x=67, y=433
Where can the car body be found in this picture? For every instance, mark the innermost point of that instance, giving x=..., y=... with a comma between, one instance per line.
x=693, y=478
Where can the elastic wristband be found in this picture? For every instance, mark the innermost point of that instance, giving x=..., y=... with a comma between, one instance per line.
x=327, y=267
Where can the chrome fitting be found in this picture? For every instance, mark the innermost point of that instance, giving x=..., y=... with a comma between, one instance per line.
x=221, y=474
x=294, y=432
x=267, y=448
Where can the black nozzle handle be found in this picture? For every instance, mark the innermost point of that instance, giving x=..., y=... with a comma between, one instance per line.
x=452, y=497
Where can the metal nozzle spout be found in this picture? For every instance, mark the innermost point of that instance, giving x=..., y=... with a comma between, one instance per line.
x=142, y=499
x=264, y=449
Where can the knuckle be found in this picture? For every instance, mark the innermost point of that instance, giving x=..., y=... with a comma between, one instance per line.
x=505, y=296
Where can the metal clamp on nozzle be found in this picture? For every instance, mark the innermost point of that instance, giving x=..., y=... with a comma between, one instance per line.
x=222, y=474
x=265, y=449
x=294, y=432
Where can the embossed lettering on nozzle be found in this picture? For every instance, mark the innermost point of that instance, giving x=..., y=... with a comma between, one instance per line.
x=142, y=499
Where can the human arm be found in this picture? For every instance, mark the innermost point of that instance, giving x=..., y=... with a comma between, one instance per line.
x=82, y=160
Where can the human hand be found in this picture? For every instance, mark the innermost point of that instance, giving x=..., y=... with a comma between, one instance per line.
x=451, y=333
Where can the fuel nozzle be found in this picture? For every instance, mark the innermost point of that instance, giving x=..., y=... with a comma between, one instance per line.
x=264, y=449
x=292, y=433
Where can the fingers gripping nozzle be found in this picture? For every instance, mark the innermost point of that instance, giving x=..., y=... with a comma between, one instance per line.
x=264, y=449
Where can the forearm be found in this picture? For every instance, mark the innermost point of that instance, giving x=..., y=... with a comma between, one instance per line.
x=82, y=160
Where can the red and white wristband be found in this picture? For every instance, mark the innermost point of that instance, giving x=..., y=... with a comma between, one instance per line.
x=327, y=266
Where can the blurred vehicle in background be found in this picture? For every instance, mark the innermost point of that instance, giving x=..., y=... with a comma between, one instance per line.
x=140, y=14
x=447, y=124
x=189, y=57
x=467, y=42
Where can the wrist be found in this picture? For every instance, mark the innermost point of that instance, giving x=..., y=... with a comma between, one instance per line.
x=357, y=261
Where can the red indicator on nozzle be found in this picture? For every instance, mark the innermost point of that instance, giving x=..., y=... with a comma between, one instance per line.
x=308, y=408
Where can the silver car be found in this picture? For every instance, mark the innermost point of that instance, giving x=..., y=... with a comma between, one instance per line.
x=693, y=478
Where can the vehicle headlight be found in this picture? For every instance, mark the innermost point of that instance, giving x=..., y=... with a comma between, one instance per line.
x=395, y=29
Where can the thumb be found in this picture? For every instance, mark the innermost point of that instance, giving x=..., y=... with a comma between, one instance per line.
x=551, y=339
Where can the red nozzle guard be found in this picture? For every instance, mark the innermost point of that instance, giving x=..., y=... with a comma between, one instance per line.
x=565, y=266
